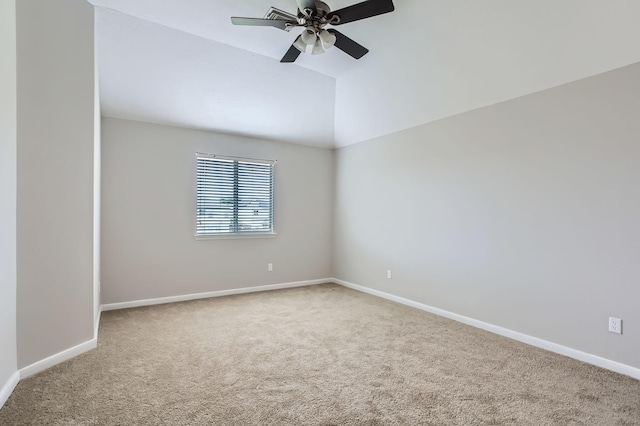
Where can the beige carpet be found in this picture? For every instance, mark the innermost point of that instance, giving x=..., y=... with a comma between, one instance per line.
x=320, y=355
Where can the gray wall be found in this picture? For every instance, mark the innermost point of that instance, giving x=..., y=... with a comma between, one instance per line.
x=524, y=214
x=97, y=171
x=8, y=363
x=148, y=214
x=55, y=176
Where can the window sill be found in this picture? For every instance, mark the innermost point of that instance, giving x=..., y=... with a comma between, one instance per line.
x=242, y=236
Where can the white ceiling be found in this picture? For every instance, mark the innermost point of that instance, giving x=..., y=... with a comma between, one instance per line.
x=153, y=73
x=182, y=62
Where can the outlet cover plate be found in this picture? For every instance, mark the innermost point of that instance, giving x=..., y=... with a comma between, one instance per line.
x=615, y=325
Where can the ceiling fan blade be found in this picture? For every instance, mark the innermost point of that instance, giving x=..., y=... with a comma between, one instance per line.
x=348, y=46
x=306, y=4
x=278, y=23
x=291, y=55
x=363, y=10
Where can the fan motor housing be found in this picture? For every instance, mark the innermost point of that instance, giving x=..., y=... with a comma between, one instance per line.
x=322, y=8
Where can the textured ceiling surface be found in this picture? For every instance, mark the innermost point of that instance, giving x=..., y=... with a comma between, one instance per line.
x=182, y=62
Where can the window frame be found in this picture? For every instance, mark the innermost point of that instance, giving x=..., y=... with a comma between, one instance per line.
x=237, y=234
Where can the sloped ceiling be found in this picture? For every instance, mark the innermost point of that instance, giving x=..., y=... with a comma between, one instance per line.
x=149, y=72
x=182, y=62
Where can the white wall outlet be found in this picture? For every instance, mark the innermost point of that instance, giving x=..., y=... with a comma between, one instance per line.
x=269, y=267
x=389, y=273
x=615, y=325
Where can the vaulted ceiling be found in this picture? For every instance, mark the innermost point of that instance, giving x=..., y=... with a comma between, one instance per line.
x=182, y=62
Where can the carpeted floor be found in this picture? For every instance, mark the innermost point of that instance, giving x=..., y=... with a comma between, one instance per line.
x=319, y=355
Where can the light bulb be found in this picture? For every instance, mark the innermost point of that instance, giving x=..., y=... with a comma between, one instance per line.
x=308, y=36
x=327, y=38
x=300, y=45
x=317, y=47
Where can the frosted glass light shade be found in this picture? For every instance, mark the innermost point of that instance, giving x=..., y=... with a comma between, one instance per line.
x=317, y=48
x=300, y=45
x=308, y=36
x=327, y=38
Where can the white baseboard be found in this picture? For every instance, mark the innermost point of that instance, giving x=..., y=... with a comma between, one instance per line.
x=8, y=388
x=65, y=355
x=525, y=338
x=49, y=362
x=219, y=293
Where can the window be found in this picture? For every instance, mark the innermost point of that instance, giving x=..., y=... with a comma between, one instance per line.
x=234, y=196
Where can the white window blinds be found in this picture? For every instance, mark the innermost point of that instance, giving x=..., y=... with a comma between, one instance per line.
x=234, y=195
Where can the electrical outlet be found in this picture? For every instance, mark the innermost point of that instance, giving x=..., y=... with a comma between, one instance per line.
x=615, y=325
x=389, y=273
x=270, y=267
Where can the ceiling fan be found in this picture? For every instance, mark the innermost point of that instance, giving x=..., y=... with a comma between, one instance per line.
x=314, y=15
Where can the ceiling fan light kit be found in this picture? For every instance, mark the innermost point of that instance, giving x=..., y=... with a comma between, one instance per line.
x=308, y=36
x=314, y=15
x=300, y=45
x=317, y=47
x=327, y=38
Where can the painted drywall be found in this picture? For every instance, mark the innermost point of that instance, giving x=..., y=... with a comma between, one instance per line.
x=427, y=60
x=523, y=214
x=55, y=66
x=97, y=161
x=152, y=73
x=8, y=107
x=210, y=20
x=148, y=214
x=439, y=59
